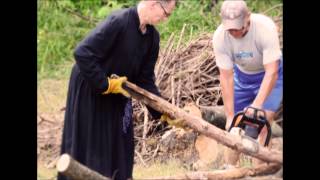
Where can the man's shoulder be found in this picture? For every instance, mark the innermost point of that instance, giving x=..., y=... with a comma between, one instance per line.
x=260, y=17
x=219, y=31
x=218, y=35
x=262, y=21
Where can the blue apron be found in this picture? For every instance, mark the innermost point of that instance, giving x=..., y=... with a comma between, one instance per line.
x=246, y=88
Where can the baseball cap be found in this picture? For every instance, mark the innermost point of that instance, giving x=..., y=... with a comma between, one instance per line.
x=233, y=13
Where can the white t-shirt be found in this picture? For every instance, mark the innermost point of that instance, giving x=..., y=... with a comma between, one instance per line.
x=258, y=47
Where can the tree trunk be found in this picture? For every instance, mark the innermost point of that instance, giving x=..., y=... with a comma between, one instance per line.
x=76, y=171
x=241, y=144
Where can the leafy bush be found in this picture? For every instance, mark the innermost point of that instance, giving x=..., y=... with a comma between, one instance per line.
x=63, y=23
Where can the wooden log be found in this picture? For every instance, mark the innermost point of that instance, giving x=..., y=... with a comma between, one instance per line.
x=241, y=144
x=209, y=150
x=227, y=174
x=262, y=178
x=210, y=153
x=214, y=115
x=71, y=168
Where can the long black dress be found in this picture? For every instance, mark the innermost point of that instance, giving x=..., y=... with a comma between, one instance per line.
x=98, y=130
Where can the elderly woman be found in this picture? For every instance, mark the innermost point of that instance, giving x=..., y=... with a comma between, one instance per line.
x=98, y=130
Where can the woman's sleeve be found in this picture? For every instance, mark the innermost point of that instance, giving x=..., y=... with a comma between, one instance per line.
x=94, y=48
x=147, y=78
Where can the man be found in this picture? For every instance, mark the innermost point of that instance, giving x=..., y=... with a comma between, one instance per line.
x=248, y=54
x=98, y=130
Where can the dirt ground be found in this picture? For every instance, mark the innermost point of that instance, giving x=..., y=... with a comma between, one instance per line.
x=50, y=125
x=49, y=138
x=51, y=103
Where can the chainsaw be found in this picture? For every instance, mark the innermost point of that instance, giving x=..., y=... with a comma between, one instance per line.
x=252, y=125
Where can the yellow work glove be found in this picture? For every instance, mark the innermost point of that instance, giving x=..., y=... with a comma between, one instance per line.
x=115, y=86
x=179, y=123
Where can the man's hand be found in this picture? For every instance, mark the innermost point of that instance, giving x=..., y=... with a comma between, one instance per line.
x=228, y=122
x=250, y=111
x=115, y=86
x=179, y=123
x=236, y=123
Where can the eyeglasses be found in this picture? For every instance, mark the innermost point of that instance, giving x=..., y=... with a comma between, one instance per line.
x=164, y=10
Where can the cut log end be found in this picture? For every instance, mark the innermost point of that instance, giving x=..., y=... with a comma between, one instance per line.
x=63, y=163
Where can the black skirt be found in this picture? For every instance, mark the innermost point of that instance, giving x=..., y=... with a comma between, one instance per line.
x=97, y=131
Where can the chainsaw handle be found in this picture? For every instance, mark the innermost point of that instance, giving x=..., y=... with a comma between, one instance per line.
x=254, y=120
x=266, y=143
x=235, y=119
x=255, y=113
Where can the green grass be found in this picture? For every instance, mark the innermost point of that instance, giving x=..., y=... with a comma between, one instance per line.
x=44, y=173
x=157, y=169
x=58, y=33
x=194, y=15
x=52, y=95
x=172, y=167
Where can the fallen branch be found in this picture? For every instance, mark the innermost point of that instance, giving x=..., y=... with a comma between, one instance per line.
x=240, y=144
x=46, y=119
x=145, y=127
x=235, y=173
x=140, y=157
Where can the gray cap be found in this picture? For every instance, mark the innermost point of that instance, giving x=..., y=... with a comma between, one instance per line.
x=233, y=13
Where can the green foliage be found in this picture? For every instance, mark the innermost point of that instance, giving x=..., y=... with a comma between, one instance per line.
x=58, y=33
x=64, y=23
x=108, y=8
x=192, y=13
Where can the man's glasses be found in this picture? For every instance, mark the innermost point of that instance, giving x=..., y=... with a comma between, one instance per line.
x=164, y=10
